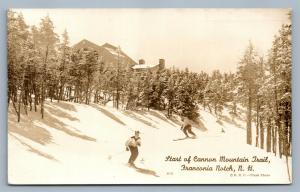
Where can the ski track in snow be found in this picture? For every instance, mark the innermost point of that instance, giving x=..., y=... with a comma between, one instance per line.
x=85, y=144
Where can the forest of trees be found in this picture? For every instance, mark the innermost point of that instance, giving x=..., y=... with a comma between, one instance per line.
x=42, y=66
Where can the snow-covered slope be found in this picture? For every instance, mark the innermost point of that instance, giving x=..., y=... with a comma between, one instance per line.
x=85, y=144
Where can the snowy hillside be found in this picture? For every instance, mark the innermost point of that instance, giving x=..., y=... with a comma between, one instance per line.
x=85, y=144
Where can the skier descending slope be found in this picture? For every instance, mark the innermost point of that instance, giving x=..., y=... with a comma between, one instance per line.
x=132, y=144
x=186, y=127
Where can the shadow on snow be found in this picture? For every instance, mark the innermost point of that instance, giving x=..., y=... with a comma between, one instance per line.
x=108, y=114
x=34, y=150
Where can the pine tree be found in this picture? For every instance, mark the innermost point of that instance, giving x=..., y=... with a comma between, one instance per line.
x=170, y=91
x=89, y=71
x=64, y=62
x=185, y=102
x=19, y=53
x=158, y=87
x=215, y=94
x=247, y=73
x=146, y=89
x=46, y=42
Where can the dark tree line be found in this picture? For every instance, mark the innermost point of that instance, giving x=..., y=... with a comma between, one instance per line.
x=265, y=87
x=265, y=84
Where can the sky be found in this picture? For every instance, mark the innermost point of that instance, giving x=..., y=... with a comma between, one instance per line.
x=200, y=39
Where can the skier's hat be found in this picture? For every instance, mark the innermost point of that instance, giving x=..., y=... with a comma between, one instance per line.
x=138, y=132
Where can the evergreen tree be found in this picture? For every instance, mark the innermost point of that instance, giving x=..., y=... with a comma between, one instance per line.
x=46, y=43
x=19, y=60
x=247, y=73
x=64, y=64
x=185, y=102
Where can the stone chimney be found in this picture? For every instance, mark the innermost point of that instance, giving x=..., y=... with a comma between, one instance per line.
x=161, y=64
x=141, y=61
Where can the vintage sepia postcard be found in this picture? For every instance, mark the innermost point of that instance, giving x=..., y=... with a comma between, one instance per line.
x=149, y=96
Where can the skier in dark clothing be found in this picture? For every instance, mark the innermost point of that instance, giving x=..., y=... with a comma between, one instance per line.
x=132, y=144
x=187, y=127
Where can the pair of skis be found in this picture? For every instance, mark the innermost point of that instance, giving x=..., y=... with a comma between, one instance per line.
x=184, y=138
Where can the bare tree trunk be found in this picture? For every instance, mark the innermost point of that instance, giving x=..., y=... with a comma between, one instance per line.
x=215, y=109
x=209, y=108
x=204, y=103
x=269, y=135
x=87, y=92
x=76, y=93
x=272, y=138
x=286, y=146
x=286, y=132
x=96, y=96
x=15, y=107
x=35, y=96
x=43, y=86
x=51, y=92
x=262, y=134
x=30, y=100
x=280, y=139
x=117, y=98
x=42, y=101
x=25, y=109
x=19, y=107
x=290, y=137
x=249, y=115
x=257, y=130
x=234, y=108
x=21, y=95
x=8, y=97
x=275, y=142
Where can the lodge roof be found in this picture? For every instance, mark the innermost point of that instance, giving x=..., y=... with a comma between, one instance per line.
x=143, y=66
